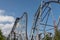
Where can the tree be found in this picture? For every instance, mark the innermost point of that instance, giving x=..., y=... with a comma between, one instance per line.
x=57, y=32
x=57, y=35
x=48, y=37
x=1, y=36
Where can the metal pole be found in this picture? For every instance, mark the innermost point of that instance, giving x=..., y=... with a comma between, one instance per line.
x=26, y=24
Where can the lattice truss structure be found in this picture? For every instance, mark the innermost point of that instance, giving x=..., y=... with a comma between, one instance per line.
x=44, y=21
x=19, y=30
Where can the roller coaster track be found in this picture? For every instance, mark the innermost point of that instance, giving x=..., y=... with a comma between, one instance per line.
x=39, y=14
x=15, y=25
x=38, y=19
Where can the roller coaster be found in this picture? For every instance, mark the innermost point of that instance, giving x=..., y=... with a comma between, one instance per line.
x=40, y=24
x=20, y=23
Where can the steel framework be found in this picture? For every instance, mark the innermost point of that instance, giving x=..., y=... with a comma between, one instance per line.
x=42, y=15
x=19, y=25
x=40, y=18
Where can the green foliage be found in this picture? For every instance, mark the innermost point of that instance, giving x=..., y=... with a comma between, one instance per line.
x=47, y=37
x=57, y=35
x=1, y=36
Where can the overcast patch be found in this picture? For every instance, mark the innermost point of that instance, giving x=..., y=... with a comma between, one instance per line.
x=4, y=25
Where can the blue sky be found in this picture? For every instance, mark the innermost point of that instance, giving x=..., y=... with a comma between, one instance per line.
x=19, y=6
x=15, y=8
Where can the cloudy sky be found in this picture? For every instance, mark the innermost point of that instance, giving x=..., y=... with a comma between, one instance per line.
x=11, y=9
x=6, y=22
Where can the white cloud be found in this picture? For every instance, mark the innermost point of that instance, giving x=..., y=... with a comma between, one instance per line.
x=7, y=19
x=6, y=28
x=1, y=25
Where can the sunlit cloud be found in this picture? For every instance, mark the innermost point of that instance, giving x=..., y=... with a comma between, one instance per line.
x=7, y=19
x=6, y=28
